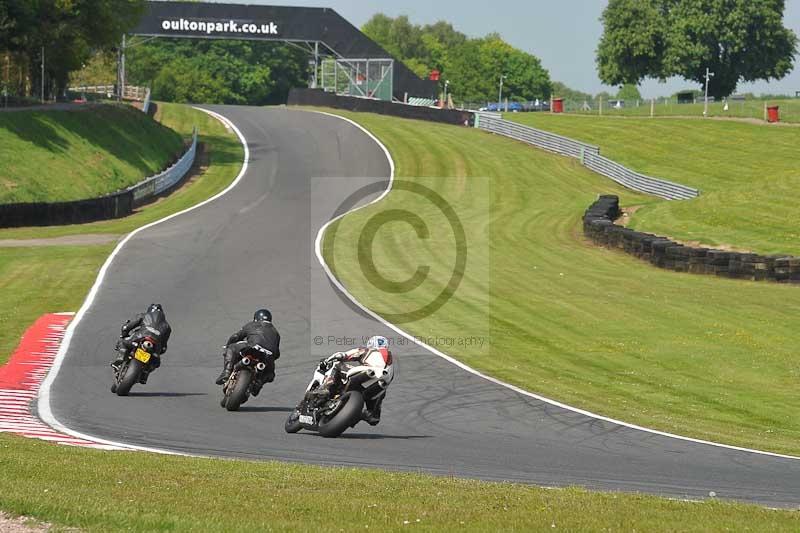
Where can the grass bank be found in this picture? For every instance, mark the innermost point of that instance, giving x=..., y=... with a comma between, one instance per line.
x=50, y=156
x=747, y=174
x=695, y=355
x=98, y=491
x=222, y=161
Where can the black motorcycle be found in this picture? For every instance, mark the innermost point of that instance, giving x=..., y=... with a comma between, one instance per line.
x=239, y=387
x=142, y=359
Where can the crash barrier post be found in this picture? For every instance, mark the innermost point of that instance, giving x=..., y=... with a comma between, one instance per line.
x=318, y=97
x=599, y=227
x=116, y=205
x=589, y=155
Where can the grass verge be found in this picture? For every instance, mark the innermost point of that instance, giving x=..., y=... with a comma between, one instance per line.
x=747, y=175
x=695, y=355
x=99, y=491
x=51, y=156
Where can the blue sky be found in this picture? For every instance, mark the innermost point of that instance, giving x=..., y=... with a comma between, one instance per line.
x=562, y=33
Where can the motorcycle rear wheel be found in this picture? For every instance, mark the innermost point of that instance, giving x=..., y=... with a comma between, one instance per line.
x=239, y=394
x=348, y=415
x=131, y=371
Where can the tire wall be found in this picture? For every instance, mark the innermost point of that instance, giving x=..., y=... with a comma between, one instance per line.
x=599, y=227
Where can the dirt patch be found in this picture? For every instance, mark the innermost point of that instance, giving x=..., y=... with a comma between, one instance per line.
x=627, y=214
x=67, y=240
x=21, y=524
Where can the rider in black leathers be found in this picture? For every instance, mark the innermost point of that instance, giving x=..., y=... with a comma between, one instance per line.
x=153, y=323
x=258, y=332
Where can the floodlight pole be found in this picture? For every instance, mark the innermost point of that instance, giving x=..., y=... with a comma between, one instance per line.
x=709, y=75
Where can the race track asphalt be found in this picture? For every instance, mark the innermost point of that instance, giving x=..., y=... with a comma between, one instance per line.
x=253, y=247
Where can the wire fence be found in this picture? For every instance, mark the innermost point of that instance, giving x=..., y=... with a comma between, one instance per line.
x=589, y=156
x=789, y=108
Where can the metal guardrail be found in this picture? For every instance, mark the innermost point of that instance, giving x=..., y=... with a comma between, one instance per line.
x=132, y=92
x=162, y=181
x=588, y=154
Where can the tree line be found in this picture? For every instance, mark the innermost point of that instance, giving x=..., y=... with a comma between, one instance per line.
x=472, y=66
x=63, y=33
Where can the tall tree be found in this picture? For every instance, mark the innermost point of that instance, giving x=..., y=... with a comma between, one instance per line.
x=738, y=40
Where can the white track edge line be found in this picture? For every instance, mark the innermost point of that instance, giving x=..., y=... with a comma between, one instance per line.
x=338, y=284
x=43, y=403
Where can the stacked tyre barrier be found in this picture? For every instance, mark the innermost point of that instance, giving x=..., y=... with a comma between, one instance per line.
x=599, y=227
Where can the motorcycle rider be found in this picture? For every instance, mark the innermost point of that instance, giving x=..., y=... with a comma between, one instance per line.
x=152, y=323
x=259, y=332
x=341, y=361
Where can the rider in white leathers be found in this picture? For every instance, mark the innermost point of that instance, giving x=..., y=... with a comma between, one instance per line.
x=374, y=355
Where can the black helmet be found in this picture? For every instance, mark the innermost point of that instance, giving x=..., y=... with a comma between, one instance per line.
x=262, y=315
x=154, y=308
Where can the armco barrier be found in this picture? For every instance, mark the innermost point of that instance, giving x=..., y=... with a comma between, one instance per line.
x=598, y=225
x=115, y=205
x=589, y=156
x=155, y=185
x=318, y=97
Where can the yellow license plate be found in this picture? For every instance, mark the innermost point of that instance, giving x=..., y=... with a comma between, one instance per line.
x=142, y=356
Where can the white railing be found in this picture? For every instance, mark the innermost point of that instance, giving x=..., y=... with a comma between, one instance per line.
x=155, y=185
x=588, y=154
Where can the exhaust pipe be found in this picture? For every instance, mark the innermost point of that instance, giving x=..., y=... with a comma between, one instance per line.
x=261, y=367
x=246, y=361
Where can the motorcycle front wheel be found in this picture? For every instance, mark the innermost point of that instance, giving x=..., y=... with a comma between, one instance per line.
x=292, y=424
x=347, y=414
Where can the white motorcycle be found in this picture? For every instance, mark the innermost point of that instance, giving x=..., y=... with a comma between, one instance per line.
x=350, y=385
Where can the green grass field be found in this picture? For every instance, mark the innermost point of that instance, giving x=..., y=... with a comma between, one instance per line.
x=101, y=491
x=695, y=355
x=751, y=109
x=51, y=156
x=747, y=175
